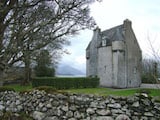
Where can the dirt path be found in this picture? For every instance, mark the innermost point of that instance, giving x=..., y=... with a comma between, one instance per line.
x=154, y=86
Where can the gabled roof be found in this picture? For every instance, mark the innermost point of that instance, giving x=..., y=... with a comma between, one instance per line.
x=114, y=34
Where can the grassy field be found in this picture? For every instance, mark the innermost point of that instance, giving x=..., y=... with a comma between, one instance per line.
x=115, y=92
x=96, y=91
x=20, y=88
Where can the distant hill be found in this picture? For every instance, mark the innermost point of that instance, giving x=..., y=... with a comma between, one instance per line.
x=63, y=69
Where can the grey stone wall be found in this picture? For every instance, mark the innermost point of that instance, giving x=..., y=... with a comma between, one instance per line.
x=43, y=106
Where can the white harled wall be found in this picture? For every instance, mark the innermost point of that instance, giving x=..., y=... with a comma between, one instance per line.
x=105, y=66
x=92, y=55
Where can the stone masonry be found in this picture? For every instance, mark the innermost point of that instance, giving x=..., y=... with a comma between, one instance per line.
x=43, y=106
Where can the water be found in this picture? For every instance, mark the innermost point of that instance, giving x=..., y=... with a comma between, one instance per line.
x=70, y=76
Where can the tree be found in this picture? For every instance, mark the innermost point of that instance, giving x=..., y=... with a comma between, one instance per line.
x=44, y=65
x=151, y=62
x=27, y=26
x=150, y=71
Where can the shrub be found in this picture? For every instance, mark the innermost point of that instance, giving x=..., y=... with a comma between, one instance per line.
x=65, y=83
x=148, y=78
x=44, y=71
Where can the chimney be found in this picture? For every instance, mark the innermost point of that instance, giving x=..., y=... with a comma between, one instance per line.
x=97, y=30
x=127, y=23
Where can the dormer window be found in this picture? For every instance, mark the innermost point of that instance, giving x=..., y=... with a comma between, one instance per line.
x=105, y=41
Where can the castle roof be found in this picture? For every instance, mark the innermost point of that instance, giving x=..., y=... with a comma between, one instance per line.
x=114, y=34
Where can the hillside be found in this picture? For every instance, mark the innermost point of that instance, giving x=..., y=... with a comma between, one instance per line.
x=68, y=70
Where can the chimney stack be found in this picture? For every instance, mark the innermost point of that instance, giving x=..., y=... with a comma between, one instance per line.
x=127, y=23
x=97, y=29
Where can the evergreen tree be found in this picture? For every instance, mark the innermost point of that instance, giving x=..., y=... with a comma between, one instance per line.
x=44, y=66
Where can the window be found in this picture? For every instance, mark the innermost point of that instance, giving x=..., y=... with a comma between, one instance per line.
x=104, y=42
x=87, y=54
x=135, y=70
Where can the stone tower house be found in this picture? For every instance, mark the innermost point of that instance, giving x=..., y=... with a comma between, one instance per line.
x=114, y=56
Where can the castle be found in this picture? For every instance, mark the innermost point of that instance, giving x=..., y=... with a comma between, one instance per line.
x=114, y=56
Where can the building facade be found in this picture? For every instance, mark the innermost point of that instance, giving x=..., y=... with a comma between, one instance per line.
x=114, y=56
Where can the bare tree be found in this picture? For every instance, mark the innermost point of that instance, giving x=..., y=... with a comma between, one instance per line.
x=150, y=71
x=152, y=61
x=29, y=25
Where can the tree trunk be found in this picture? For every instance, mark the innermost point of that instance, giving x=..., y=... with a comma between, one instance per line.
x=27, y=71
x=155, y=70
x=2, y=74
x=27, y=61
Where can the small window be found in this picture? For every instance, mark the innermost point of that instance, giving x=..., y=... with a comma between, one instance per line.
x=135, y=70
x=87, y=54
x=104, y=42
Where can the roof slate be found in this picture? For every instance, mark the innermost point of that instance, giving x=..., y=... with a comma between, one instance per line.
x=115, y=33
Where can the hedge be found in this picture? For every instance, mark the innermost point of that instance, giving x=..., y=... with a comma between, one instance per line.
x=148, y=78
x=65, y=83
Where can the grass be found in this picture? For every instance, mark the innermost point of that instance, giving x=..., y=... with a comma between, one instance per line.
x=115, y=92
x=20, y=88
x=97, y=91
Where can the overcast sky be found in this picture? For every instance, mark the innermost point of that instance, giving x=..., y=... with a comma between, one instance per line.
x=145, y=17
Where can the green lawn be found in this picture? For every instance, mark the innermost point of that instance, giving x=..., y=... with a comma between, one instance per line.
x=96, y=91
x=115, y=92
x=20, y=88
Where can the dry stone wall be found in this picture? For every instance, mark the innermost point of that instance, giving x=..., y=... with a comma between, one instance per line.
x=43, y=106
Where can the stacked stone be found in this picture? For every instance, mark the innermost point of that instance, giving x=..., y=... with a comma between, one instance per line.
x=43, y=106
